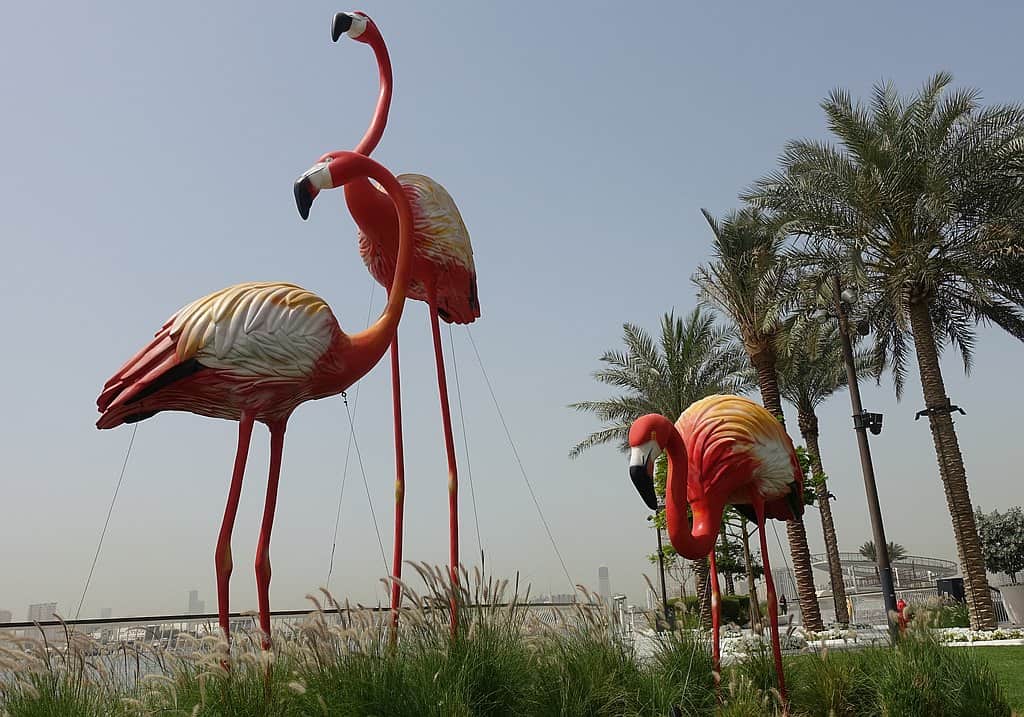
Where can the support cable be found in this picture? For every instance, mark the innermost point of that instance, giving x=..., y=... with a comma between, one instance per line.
x=515, y=452
x=366, y=485
x=348, y=449
x=465, y=444
x=103, y=532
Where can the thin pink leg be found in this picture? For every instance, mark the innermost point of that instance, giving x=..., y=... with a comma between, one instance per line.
x=453, y=475
x=773, y=606
x=222, y=555
x=263, y=547
x=396, y=565
x=716, y=622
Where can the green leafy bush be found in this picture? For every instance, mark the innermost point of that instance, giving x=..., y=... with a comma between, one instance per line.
x=735, y=608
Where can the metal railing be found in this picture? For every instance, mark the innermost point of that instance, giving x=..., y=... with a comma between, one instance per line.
x=172, y=631
x=936, y=565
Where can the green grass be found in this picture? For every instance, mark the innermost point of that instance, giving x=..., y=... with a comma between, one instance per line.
x=1007, y=663
x=501, y=664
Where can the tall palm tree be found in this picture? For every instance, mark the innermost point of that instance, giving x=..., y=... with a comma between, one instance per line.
x=811, y=369
x=926, y=195
x=747, y=280
x=692, y=359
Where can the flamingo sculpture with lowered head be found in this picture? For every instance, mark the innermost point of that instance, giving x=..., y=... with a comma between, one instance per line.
x=443, y=273
x=254, y=352
x=723, y=450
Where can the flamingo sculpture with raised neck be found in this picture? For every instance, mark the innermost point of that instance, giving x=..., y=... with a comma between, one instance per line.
x=443, y=274
x=723, y=450
x=254, y=352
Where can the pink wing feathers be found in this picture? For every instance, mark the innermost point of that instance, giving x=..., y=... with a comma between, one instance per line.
x=729, y=438
x=443, y=252
x=253, y=332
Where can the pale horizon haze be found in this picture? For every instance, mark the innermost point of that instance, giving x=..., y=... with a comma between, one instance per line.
x=149, y=154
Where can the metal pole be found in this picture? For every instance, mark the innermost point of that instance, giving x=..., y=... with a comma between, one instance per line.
x=669, y=616
x=875, y=511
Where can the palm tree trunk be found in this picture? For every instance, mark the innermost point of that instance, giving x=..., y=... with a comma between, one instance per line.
x=755, y=605
x=768, y=381
x=801, y=554
x=702, y=584
x=951, y=469
x=730, y=584
x=809, y=430
x=763, y=361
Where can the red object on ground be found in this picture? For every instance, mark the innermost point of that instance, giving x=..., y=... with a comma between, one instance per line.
x=901, y=615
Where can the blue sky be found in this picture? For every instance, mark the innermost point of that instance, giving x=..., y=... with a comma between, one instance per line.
x=149, y=152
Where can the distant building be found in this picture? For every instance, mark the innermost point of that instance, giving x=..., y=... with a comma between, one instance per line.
x=42, y=612
x=604, y=584
x=195, y=605
x=6, y=616
x=560, y=598
x=45, y=612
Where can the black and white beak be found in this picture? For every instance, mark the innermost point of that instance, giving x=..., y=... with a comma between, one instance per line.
x=641, y=471
x=309, y=185
x=347, y=23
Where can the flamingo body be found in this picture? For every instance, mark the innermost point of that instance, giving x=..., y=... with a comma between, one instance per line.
x=442, y=253
x=254, y=352
x=739, y=451
x=264, y=347
x=723, y=450
x=442, y=274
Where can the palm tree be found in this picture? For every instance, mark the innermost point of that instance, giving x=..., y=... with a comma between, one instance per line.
x=896, y=551
x=693, y=358
x=926, y=196
x=747, y=279
x=811, y=369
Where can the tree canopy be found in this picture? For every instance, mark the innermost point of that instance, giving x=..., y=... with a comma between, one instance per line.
x=1002, y=540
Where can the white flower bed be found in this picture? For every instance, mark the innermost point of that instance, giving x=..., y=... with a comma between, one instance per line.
x=832, y=633
x=965, y=634
x=749, y=643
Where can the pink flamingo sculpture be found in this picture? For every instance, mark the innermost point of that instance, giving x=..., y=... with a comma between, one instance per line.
x=723, y=450
x=443, y=273
x=254, y=352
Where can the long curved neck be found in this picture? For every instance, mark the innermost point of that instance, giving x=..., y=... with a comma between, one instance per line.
x=372, y=211
x=370, y=345
x=380, y=115
x=696, y=542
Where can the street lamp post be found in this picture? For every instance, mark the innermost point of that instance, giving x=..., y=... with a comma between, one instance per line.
x=862, y=421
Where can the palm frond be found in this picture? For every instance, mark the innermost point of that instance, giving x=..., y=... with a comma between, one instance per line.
x=919, y=199
x=693, y=357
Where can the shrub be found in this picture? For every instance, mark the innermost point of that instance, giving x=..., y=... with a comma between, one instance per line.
x=735, y=608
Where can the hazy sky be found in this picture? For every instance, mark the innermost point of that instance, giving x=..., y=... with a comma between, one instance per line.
x=149, y=152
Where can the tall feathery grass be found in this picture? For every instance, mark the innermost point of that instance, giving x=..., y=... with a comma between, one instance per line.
x=344, y=661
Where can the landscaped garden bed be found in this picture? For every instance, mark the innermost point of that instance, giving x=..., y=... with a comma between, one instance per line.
x=501, y=663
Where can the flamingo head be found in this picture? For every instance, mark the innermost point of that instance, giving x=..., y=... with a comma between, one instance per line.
x=648, y=437
x=310, y=183
x=356, y=25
